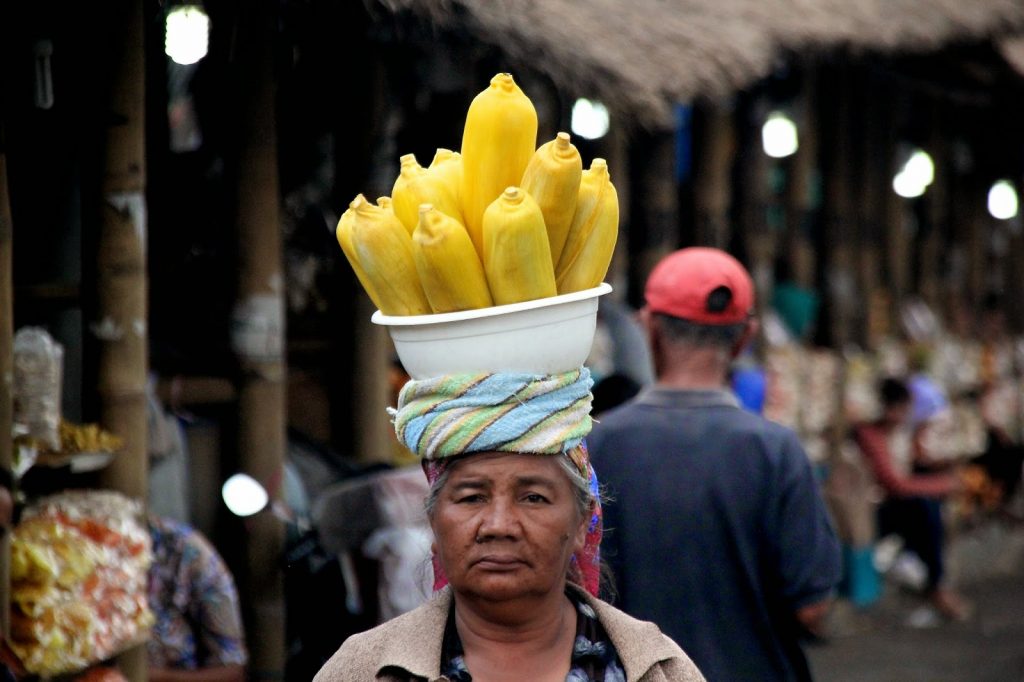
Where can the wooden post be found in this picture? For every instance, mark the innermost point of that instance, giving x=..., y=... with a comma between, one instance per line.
x=754, y=240
x=662, y=206
x=799, y=200
x=712, y=182
x=654, y=220
x=120, y=322
x=936, y=204
x=6, y=374
x=875, y=185
x=897, y=240
x=835, y=248
x=258, y=333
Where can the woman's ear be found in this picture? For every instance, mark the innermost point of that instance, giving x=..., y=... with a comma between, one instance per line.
x=580, y=536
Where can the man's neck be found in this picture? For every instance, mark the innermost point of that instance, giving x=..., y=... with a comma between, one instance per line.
x=695, y=369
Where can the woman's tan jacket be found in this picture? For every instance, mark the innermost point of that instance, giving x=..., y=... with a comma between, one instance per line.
x=408, y=648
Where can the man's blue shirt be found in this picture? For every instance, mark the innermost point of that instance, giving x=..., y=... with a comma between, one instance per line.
x=716, y=529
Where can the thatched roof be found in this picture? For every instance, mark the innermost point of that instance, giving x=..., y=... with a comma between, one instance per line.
x=639, y=56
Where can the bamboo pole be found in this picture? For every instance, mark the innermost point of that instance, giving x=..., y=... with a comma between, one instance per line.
x=258, y=333
x=121, y=280
x=6, y=373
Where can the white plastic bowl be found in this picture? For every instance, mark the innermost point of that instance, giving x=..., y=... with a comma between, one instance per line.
x=544, y=336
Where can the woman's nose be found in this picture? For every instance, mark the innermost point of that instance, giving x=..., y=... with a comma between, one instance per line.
x=499, y=520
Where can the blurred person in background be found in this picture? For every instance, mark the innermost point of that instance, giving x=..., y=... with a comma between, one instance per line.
x=912, y=507
x=198, y=634
x=718, y=532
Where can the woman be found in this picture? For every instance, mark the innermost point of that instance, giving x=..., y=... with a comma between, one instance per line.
x=514, y=510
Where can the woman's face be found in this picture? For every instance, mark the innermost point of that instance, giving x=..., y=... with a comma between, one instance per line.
x=506, y=525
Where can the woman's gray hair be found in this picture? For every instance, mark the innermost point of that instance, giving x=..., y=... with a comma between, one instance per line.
x=582, y=495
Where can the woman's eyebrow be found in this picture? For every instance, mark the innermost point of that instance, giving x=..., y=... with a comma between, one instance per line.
x=534, y=481
x=471, y=483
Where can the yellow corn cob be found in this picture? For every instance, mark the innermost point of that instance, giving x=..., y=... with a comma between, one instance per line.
x=597, y=210
x=415, y=186
x=517, y=258
x=451, y=272
x=552, y=178
x=499, y=138
x=344, y=235
x=447, y=167
x=384, y=248
x=591, y=265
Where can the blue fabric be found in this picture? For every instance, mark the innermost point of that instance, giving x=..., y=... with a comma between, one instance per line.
x=927, y=398
x=716, y=529
x=861, y=583
x=750, y=386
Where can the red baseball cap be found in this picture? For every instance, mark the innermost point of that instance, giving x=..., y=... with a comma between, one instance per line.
x=702, y=285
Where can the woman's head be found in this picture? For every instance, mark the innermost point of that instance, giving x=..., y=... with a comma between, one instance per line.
x=453, y=421
x=507, y=525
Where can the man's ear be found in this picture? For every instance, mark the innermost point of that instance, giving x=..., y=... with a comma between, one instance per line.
x=750, y=330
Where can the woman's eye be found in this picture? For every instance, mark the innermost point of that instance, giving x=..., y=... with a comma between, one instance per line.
x=535, y=498
x=469, y=498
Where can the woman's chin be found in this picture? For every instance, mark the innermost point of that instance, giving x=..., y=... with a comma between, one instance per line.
x=502, y=587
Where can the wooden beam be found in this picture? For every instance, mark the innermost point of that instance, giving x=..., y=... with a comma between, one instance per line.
x=6, y=373
x=258, y=329
x=120, y=321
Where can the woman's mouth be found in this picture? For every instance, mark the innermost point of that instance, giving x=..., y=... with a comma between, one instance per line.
x=499, y=562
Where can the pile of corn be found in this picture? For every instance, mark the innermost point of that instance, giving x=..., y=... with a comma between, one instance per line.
x=501, y=222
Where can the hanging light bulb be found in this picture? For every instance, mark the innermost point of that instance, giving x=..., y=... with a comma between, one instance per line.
x=243, y=495
x=590, y=119
x=779, y=136
x=917, y=174
x=1002, y=200
x=187, y=36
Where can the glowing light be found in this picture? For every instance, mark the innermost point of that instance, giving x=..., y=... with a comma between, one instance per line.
x=920, y=167
x=1002, y=200
x=590, y=119
x=907, y=186
x=187, y=37
x=916, y=175
x=779, y=136
x=243, y=495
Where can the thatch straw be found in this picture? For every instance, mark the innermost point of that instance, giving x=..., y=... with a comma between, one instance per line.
x=640, y=56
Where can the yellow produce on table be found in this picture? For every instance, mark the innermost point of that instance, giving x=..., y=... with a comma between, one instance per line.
x=597, y=209
x=517, y=258
x=79, y=569
x=499, y=138
x=344, y=234
x=416, y=185
x=383, y=248
x=598, y=231
x=552, y=178
x=449, y=269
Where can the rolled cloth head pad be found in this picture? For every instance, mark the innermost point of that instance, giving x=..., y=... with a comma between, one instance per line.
x=504, y=412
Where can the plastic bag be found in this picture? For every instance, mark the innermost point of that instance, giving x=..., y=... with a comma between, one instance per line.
x=38, y=375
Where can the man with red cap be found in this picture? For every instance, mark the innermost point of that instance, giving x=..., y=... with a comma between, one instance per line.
x=717, y=529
